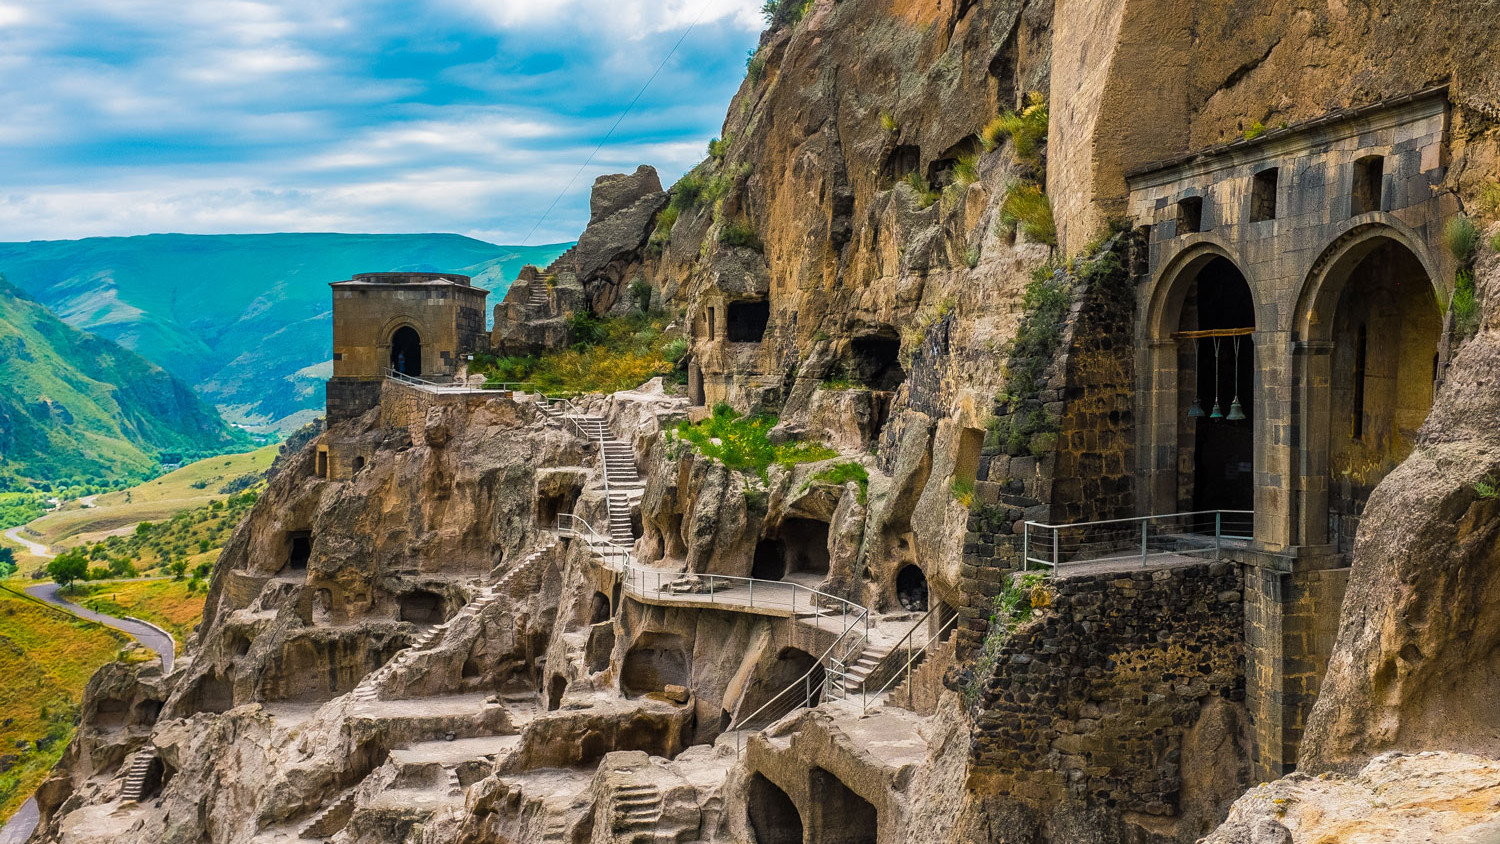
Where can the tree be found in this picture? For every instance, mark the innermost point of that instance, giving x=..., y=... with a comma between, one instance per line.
x=68, y=567
x=7, y=562
x=178, y=568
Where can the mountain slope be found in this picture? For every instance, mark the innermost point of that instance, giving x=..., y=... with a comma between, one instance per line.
x=243, y=318
x=74, y=405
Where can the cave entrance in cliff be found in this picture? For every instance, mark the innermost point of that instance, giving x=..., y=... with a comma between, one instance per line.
x=421, y=607
x=773, y=816
x=839, y=816
x=1381, y=366
x=806, y=544
x=911, y=589
x=875, y=360
x=655, y=661
x=406, y=351
x=1216, y=406
x=748, y=321
x=769, y=562
x=298, y=549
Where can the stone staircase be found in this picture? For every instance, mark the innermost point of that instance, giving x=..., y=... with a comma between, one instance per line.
x=370, y=687
x=638, y=809
x=538, y=297
x=623, y=478
x=331, y=818
x=555, y=830
x=139, y=773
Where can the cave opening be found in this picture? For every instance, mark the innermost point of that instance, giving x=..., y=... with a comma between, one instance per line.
x=421, y=607
x=599, y=609
x=903, y=160
x=773, y=816
x=839, y=816
x=875, y=361
x=747, y=321
x=556, y=688
x=792, y=667
x=299, y=549
x=806, y=543
x=911, y=588
x=769, y=562
x=655, y=661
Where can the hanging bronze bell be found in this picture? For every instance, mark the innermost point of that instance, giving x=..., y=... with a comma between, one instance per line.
x=1196, y=411
x=1236, y=412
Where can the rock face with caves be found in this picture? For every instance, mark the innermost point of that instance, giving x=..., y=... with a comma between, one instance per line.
x=519, y=621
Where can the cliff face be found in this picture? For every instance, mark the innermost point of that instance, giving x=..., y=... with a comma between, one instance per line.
x=409, y=653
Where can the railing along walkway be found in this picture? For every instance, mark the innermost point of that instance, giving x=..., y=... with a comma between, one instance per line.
x=1141, y=542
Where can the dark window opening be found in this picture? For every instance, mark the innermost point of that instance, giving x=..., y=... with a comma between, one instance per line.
x=875, y=361
x=1220, y=376
x=1365, y=193
x=599, y=608
x=1190, y=215
x=1263, y=195
x=748, y=321
x=406, y=351
x=773, y=816
x=555, y=691
x=911, y=589
x=806, y=543
x=770, y=560
x=713, y=324
x=322, y=469
x=299, y=549
x=471, y=669
x=1361, y=348
x=421, y=607
x=359, y=463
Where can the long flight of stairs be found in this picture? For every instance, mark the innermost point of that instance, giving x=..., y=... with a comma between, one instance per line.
x=369, y=688
x=139, y=773
x=620, y=472
x=638, y=810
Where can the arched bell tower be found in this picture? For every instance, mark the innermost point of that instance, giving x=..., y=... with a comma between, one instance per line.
x=417, y=324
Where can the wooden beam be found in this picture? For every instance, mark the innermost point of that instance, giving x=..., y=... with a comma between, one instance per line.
x=1213, y=332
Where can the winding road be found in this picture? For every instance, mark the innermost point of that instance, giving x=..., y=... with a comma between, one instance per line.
x=21, y=824
x=35, y=549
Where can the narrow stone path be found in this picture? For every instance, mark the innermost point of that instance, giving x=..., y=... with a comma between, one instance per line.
x=35, y=549
x=21, y=824
x=147, y=635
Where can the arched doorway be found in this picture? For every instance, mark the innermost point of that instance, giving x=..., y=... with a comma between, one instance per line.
x=1373, y=323
x=1216, y=402
x=406, y=351
x=773, y=816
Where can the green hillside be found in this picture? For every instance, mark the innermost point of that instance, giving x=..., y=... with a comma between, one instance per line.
x=243, y=318
x=75, y=407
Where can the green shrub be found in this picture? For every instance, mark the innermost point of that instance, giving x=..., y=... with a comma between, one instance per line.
x=717, y=148
x=1464, y=304
x=1026, y=427
x=640, y=294
x=629, y=351
x=971, y=257
x=742, y=442
x=888, y=122
x=1254, y=130
x=739, y=234
x=1009, y=610
x=755, y=66
x=1027, y=129
x=1027, y=208
x=963, y=492
x=924, y=192
x=1487, y=487
x=675, y=350
x=842, y=473
x=1461, y=237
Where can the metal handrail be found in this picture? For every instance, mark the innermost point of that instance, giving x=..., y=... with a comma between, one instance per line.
x=804, y=681
x=882, y=664
x=1140, y=542
x=912, y=655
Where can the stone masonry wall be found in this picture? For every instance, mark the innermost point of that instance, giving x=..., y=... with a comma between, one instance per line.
x=1086, y=473
x=1092, y=700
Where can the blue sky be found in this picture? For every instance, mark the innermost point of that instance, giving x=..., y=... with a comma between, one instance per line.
x=214, y=116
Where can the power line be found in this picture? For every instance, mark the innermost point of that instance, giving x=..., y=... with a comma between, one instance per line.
x=618, y=121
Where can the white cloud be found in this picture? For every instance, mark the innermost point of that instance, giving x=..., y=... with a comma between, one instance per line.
x=627, y=18
x=12, y=15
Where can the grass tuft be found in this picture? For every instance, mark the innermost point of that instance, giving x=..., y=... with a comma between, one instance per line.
x=627, y=351
x=743, y=443
x=1027, y=130
x=924, y=192
x=1461, y=237
x=840, y=474
x=1027, y=208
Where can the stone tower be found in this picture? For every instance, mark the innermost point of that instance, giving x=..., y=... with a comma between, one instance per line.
x=416, y=323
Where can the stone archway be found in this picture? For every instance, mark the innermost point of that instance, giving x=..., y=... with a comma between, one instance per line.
x=1370, y=354
x=773, y=816
x=1204, y=389
x=406, y=351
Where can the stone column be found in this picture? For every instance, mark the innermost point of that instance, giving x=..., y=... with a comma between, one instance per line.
x=1312, y=389
x=1156, y=455
x=1274, y=434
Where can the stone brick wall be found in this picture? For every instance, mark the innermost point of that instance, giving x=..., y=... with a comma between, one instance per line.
x=1291, y=622
x=1092, y=700
x=348, y=398
x=1088, y=474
